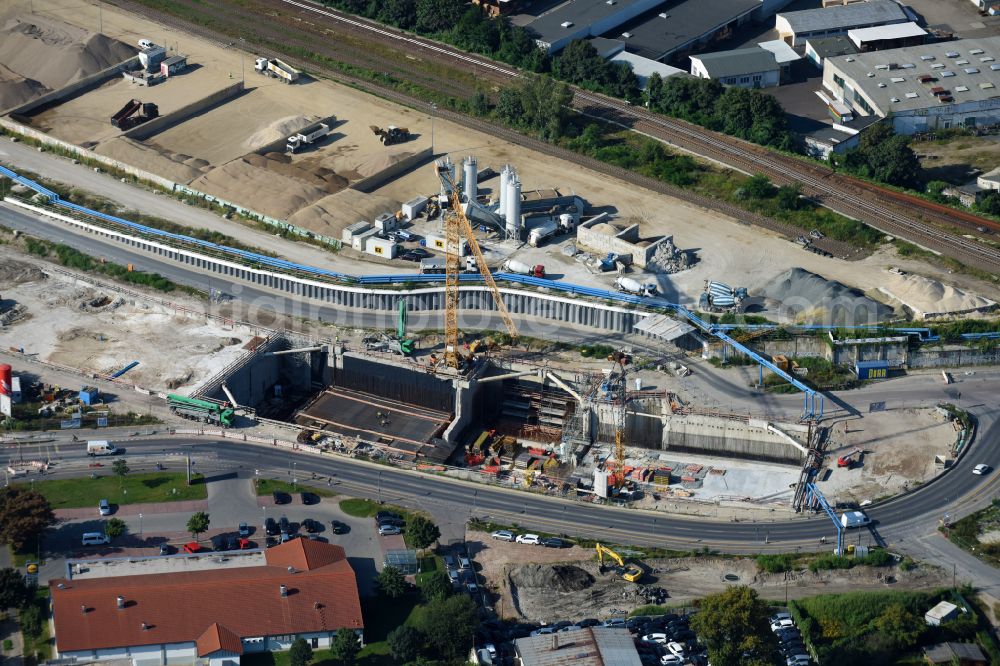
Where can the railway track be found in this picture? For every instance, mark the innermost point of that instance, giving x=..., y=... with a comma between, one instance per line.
x=897, y=214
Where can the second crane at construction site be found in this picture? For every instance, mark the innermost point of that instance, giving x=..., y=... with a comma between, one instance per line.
x=457, y=225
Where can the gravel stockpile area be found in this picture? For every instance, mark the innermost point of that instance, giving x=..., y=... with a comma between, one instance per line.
x=808, y=297
x=927, y=297
x=41, y=53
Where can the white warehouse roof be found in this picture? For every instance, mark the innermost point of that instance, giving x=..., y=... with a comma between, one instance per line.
x=783, y=53
x=895, y=31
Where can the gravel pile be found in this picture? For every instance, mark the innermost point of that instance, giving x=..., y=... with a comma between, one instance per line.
x=555, y=577
x=811, y=298
x=927, y=297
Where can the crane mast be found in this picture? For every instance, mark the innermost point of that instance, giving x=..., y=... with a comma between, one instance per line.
x=456, y=226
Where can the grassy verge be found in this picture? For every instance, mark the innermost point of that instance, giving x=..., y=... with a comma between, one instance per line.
x=910, y=251
x=965, y=533
x=267, y=486
x=133, y=489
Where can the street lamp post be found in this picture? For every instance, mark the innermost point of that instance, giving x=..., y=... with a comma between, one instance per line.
x=140, y=526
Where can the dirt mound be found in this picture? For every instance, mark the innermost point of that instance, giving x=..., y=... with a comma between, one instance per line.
x=264, y=188
x=17, y=272
x=377, y=163
x=16, y=90
x=277, y=130
x=53, y=53
x=330, y=215
x=808, y=297
x=177, y=167
x=927, y=297
x=556, y=577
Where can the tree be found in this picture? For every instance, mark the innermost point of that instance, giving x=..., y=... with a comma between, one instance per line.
x=197, y=524
x=789, y=197
x=437, y=15
x=345, y=647
x=24, y=516
x=14, y=592
x=733, y=624
x=885, y=156
x=422, y=532
x=391, y=583
x=436, y=586
x=115, y=527
x=301, y=653
x=121, y=470
x=449, y=625
x=405, y=643
x=900, y=625
x=989, y=204
x=758, y=187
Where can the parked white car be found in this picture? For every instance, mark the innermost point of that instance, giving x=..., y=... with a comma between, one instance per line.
x=504, y=535
x=655, y=638
x=530, y=539
x=783, y=623
x=676, y=648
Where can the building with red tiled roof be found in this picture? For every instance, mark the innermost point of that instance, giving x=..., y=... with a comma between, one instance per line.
x=305, y=589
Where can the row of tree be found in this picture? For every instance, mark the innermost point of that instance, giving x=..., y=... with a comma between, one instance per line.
x=882, y=155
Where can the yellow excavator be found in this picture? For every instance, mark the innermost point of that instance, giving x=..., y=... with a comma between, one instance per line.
x=629, y=572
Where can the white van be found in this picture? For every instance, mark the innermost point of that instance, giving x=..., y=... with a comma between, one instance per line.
x=95, y=539
x=100, y=447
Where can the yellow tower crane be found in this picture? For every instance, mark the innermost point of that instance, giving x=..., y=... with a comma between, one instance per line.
x=456, y=226
x=621, y=398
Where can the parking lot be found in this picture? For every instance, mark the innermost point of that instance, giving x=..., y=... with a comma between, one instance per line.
x=230, y=501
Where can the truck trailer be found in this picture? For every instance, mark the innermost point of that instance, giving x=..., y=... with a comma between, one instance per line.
x=542, y=233
x=309, y=135
x=276, y=68
x=201, y=410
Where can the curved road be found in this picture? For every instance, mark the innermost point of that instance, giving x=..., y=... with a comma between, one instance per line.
x=896, y=521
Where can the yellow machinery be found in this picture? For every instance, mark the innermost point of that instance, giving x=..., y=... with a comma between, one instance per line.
x=457, y=225
x=629, y=572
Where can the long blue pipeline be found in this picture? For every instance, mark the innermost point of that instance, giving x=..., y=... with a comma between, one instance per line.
x=809, y=408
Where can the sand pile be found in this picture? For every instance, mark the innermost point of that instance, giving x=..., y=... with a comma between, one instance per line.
x=377, y=162
x=178, y=167
x=15, y=90
x=554, y=577
x=53, y=53
x=262, y=189
x=330, y=215
x=927, y=297
x=276, y=131
x=807, y=297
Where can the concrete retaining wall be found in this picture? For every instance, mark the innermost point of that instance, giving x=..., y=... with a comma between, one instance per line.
x=76, y=88
x=946, y=358
x=372, y=183
x=164, y=122
x=472, y=299
x=725, y=437
x=73, y=149
x=624, y=242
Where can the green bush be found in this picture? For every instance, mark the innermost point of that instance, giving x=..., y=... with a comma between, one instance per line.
x=775, y=563
x=828, y=562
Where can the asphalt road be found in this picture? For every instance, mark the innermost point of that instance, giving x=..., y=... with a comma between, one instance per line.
x=896, y=521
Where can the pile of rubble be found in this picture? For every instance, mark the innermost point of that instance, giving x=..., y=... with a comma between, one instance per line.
x=668, y=259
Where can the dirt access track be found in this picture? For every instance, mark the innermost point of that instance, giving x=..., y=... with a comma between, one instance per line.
x=305, y=191
x=548, y=585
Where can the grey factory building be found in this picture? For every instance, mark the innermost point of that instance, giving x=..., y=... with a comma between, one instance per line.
x=932, y=86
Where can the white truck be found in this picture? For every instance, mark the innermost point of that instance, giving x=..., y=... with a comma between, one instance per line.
x=101, y=447
x=633, y=286
x=310, y=134
x=541, y=233
x=276, y=68
x=851, y=519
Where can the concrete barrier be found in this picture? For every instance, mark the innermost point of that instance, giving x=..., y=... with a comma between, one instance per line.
x=83, y=85
x=73, y=149
x=373, y=182
x=164, y=122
